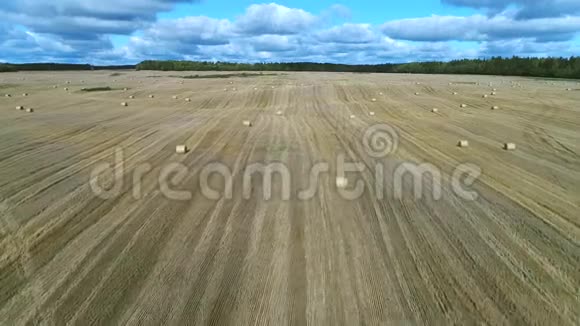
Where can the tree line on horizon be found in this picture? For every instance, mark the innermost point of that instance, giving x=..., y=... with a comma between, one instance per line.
x=13, y=67
x=515, y=66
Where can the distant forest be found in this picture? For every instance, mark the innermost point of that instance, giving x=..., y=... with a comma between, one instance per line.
x=11, y=67
x=532, y=67
x=515, y=66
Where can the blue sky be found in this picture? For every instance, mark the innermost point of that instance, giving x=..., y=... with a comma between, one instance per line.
x=363, y=31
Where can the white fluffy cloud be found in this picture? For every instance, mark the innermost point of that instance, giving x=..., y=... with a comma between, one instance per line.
x=274, y=19
x=348, y=33
x=481, y=28
x=81, y=31
x=525, y=8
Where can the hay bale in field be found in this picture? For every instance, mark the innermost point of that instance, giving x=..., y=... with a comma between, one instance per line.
x=373, y=100
x=493, y=93
x=131, y=96
x=372, y=114
x=175, y=97
x=484, y=96
x=416, y=93
x=463, y=143
x=181, y=149
x=247, y=123
x=509, y=146
x=255, y=88
x=495, y=89
x=434, y=110
x=66, y=88
x=151, y=96
x=495, y=107
x=231, y=82
x=187, y=99
x=24, y=94
x=234, y=89
x=55, y=86
x=7, y=95
x=68, y=81
x=454, y=93
x=124, y=104
x=568, y=89
x=125, y=89
x=273, y=87
x=341, y=182
x=20, y=108
x=463, y=105
x=225, y=89
x=380, y=93
x=279, y=112
x=30, y=110
x=352, y=116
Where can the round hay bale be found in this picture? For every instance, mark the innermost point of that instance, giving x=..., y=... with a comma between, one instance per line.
x=234, y=89
x=352, y=116
x=341, y=182
x=124, y=104
x=7, y=95
x=455, y=93
x=493, y=93
x=151, y=96
x=55, y=86
x=247, y=123
x=125, y=89
x=463, y=105
x=568, y=89
x=255, y=88
x=30, y=110
x=225, y=89
x=374, y=100
x=279, y=112
x=416, y=93
x=181, y=149
x=434, y=110
x=380, y=93
x=463, y=143
x=372, y=114
x=66, y=88
x=495, y=107
x=187, y=99
x=509, y=146
x=174, y=97
x=273, y=87
x=20, y=108
x=24, y=94
x=131, y=96
x=231, y=82
x=484, y=96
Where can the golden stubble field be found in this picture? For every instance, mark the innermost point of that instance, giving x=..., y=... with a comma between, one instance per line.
x=67, y=256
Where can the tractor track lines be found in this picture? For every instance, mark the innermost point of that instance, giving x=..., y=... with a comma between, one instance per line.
x=69, y=257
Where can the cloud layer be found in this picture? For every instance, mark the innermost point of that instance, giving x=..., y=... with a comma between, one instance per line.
x=82, y=30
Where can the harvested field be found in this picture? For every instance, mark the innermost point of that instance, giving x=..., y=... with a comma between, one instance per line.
x=68, y=256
